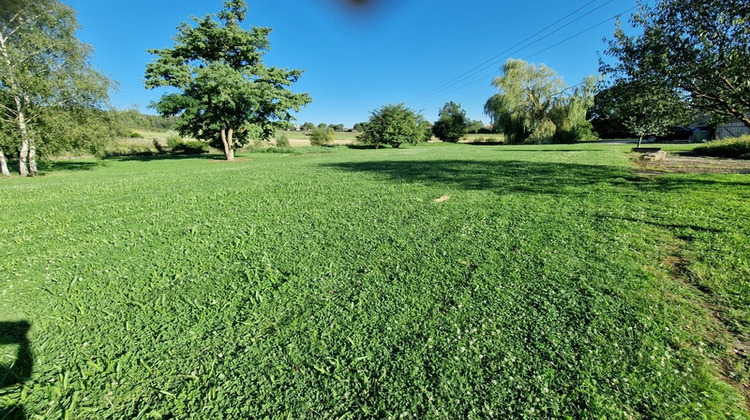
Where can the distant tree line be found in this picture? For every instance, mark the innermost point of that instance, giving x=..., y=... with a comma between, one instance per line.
x=133, y=119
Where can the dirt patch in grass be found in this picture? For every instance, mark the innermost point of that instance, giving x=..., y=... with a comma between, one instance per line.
x=733, y=365
x=686, y=163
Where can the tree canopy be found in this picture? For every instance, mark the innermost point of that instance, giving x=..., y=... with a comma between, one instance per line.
x=393, y=125
x=50, y=96
x=226, y=94
x=452, y=123
x=534, y=105
x=699, y=49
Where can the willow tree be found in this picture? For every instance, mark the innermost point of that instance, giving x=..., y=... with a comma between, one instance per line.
x=44, y=70
x=225, y=94
x=527, y=95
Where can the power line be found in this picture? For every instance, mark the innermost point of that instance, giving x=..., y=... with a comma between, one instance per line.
x=483, y=76
x=477, y=69
x=471, y=71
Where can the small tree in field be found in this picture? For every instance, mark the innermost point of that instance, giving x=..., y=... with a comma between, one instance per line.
x=644, y=108
x=452, y=123
x=393, y=125
x=227, y=95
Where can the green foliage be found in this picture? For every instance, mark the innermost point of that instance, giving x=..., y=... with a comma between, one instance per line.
x=282, y=140
x=533, y=106
x=475, y=127
x=131, y=119
x=699, y=47
x=344, y=290
x=173, y=140
x=644, y=107
x=123, y=149
x=527, y=94
x=191, y=147
x=321, y=136
x=135, y=135
x=47, y=84
x=393, y=125
x=307, y=126
x=226, y=94
x=452, y=123
x=726, y=148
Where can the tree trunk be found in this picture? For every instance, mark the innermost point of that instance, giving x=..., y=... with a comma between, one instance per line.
x=23, y=158
x=32, y=158
x=640, y=140
x=230, y=143
x=4, y=165
x=226, y=141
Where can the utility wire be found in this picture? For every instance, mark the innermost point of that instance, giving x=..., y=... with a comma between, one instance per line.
x=471, y=71
x=483, y=76
x=488, y=63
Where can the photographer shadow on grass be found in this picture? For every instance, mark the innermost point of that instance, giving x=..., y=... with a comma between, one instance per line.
x=19, y=369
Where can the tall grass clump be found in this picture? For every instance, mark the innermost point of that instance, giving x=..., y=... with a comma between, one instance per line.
x=282, y=140
x=737, y=147
x=321, y=136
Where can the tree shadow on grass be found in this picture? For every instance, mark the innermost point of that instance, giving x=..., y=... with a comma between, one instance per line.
x=166, y=156
x=508, y=177
x=19, y=370
x=501, y=177
x=72, y=165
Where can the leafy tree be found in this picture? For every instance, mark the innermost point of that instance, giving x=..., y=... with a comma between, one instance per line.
x=337, y=127
x=474, y=127
x=527, y=94
x=227, y=95
x=535, y=105
x=307, y=126
x=424, y=129
x=393, y=125
x=46, y=82
x=322, y=125
x=359, y=127
x=570, y=114
x=644, y=108
x=452, y=123
x=699, y=47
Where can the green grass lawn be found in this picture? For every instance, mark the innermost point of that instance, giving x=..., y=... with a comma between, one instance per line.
x=546, y=282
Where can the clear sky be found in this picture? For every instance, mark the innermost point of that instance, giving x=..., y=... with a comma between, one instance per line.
x=359, y=55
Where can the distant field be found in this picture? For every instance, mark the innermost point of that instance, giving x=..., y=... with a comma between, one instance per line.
x=437, y=281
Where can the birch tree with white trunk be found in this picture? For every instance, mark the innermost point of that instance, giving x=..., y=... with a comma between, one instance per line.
x=44, y=69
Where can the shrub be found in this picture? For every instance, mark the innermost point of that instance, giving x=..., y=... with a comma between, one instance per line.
x=119, y=149
x=282, y=140
x=192, y=147
x=173, y=141
x=321, y=136
x=726, y=148
x=135, y=135
x=394, y=125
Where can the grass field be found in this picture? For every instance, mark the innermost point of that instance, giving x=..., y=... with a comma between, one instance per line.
x=438, y=281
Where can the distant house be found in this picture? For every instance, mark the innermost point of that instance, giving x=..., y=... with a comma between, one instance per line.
x=733, y=128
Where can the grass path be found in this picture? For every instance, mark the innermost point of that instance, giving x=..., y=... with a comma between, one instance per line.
x=546, y=282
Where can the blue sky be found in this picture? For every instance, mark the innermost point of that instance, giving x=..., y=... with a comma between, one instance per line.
x=357, y=59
